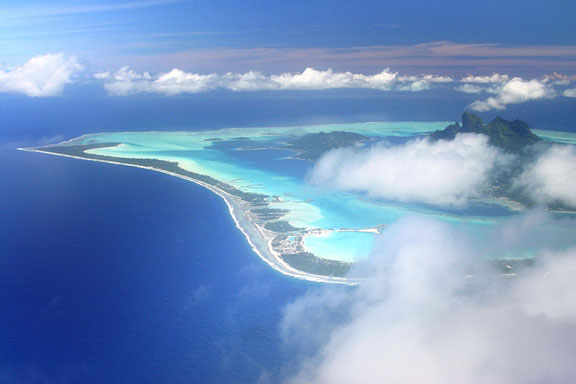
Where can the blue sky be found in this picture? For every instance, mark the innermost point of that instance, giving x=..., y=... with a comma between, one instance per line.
x=506, y=52
x=208, y=35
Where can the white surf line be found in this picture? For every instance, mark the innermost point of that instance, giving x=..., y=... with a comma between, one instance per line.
x=276, y=263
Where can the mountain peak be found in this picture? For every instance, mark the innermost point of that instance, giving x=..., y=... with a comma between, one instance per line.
x=511, y=136
x=471, y=123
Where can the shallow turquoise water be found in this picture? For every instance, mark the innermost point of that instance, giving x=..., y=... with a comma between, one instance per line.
x=252, y=159
x=342, y=246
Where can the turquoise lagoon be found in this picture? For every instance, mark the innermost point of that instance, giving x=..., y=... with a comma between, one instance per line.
x=256, y=160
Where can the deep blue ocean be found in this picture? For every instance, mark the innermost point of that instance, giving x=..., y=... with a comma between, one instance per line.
x=110, y=274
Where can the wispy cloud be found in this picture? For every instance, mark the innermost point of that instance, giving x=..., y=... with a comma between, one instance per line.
x=38, y=12
x=440, y=57
x=447, y=48
x=61, y=32
x=181, y=34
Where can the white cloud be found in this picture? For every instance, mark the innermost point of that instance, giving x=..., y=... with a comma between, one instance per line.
x=249, y=81
x=491, y=79
x=552, y=177
x=416, y=86
x=417, y=320
x=125, y=81
x=103, y=75
x=177, y=81
x=44, y=75
x=487, y=105
x=513, y=92
x=421, y=83
x=437, y=79
x=559, y=78
x=518, y=90
x=314, y=79
x=482, y=84
x=570, y=92
x=441, y=172
x=473, y=88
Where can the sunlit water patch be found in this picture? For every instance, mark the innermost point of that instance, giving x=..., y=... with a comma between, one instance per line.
x=341, y=246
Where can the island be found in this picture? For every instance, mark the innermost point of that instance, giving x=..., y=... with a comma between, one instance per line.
x=510, y=136
x=299, y=229
x=274, y=239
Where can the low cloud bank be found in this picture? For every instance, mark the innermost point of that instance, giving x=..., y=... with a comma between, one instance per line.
x=47, y=75
x=487, y=79
x=418, y=320
x=442, y=172
x=126, y=81
x=44, y=75
x=552, y=178
x=506, y=90
x=446, y=173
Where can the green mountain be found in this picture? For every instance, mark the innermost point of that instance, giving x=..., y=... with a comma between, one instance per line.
x=511, y=136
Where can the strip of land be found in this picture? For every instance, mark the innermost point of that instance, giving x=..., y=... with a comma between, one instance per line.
x=274, y=240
